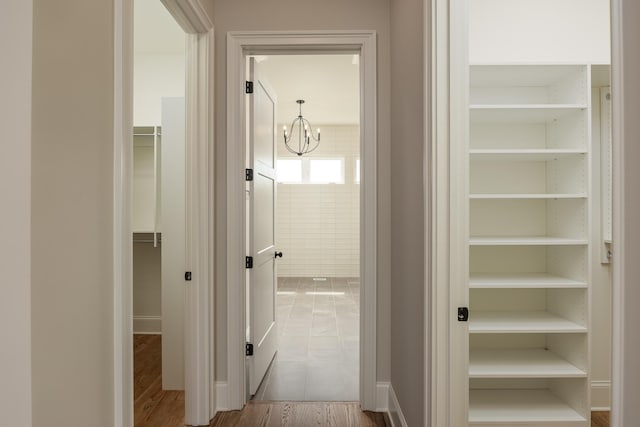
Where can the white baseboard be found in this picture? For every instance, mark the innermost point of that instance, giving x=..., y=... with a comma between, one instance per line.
x=222, y=396
x=382, y=396
x=600, y=395
x=395, y=412
x=147, y=324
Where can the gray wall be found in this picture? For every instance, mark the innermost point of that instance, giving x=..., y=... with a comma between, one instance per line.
x=407, y=208
x=15, y=211
x=231, y=15
x=631, y=198
x=72, y=204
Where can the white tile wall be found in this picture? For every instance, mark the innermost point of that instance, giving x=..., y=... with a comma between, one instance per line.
x=318, y=224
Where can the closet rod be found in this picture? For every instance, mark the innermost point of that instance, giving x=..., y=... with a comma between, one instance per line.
x=146, y=241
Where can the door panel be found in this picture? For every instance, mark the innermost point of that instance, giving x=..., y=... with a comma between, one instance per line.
x=262, y=278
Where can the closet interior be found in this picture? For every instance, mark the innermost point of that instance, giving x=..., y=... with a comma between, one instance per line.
x=535, y=236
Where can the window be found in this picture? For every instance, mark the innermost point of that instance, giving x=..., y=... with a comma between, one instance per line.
x=326, y=171
x=289, y=171
x=310, y=171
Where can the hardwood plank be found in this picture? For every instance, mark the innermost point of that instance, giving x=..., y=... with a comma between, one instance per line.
x=600, y=419
x=295, y=414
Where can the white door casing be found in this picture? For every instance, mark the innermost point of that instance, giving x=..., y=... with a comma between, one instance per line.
x=199, y=303
x=263, y=334
x=239, y=46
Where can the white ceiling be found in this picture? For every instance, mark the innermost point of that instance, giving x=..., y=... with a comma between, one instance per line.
x=329, y=84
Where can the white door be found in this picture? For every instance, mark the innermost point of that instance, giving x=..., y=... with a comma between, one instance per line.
x=262, y=196
x=172, y=224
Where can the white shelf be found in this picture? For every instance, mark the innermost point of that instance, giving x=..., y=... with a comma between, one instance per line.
x=486, y=196
x=519, y=75
x=494, y=407
x=521, y=281
x=527, y=363
x=504, y=322
x=525, y=241
x=496, y=113
x=524, y=154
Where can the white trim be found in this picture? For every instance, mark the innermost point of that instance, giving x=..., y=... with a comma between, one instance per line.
x=618, y=264
x=238, y=45
x=382, y=396
x=222, y=394
x=200, y=172
x=190, y=15
x=447, y=252
x=199, y=390
x=395, y=412
x=600, y=395
x=147, y=325
x=122, y=233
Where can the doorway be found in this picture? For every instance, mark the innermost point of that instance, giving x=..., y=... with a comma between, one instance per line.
x=159, y=211
x=317, y=212
x=240, y=46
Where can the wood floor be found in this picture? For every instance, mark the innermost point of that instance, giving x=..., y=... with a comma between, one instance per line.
x=154, y=407
x=299, y=414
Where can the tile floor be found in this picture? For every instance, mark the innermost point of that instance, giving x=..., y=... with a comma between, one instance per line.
x=318, y=344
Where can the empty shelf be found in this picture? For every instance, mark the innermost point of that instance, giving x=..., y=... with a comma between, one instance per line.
x=491, y=407
x=496, y=322
x=505, y=196
x=528, y=155
x=527, y=113
x=525, y=363
x=525, y=241
x=521, y=281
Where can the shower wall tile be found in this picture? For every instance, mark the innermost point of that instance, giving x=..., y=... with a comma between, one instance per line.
x=318, y=224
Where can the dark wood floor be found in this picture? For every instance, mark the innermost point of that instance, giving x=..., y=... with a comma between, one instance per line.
x=154, y=407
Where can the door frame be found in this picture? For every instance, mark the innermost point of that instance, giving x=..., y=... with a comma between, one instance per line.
x=199, y=302
x=445, y=88
x=240, y=44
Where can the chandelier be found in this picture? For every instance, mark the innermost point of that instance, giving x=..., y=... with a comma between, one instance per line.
x=305, y=136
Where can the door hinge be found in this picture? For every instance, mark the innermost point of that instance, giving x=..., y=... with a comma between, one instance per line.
x=187, y=276
x=248, y=174
x=463, y=314
x=248, y=262
x=248, y=349
x=248, y=87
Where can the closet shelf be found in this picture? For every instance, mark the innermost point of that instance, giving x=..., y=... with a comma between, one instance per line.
x=525, y=363
x=524, y=155
x=521, y=281
x=526, y=241
x=495, y=407
x=487, y=196
x=527, y=113
x=498, y=322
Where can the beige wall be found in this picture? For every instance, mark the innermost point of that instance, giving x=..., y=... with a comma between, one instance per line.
x=630, y=69
x=146, y=285
x=231, y=15
x=155, y=76
x=318, y=225
x=15, y=193
x=72, y=203
x=407, y=212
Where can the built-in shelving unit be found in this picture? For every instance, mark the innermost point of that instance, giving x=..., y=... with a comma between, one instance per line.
x=529, y=245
